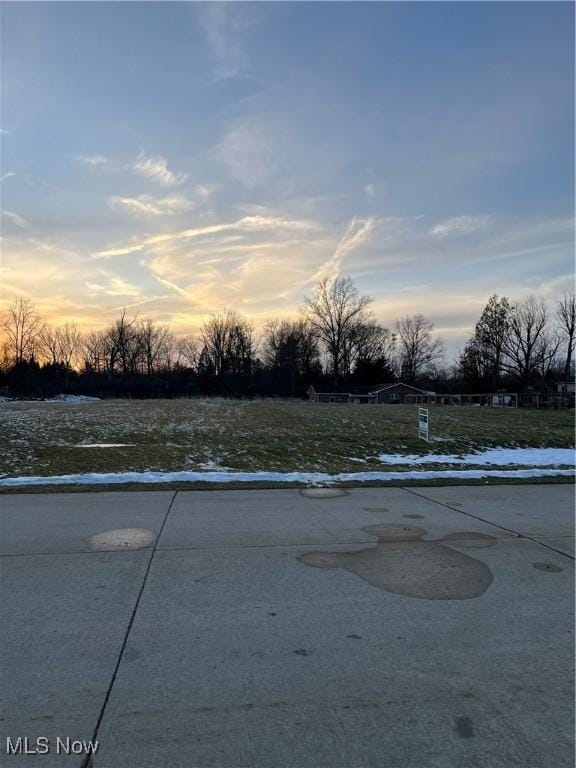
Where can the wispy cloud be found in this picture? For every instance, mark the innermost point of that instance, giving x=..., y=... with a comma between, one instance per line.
x=357, y=232
x=374, y=190
x=156, y=169
x=460, y=225
x=202, y=192
x=370, y=191
x=113, y=285
x=250, y=153
x=224, y=25
x=146, y=205
x=7, y=175
x=172, y=286
x=92, y=161
x=15, y=219
x=120, y=251
x=245, y=224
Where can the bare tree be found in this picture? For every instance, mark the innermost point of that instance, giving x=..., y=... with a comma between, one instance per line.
x=368, y=345
x=23, y=328
x=228, y=344
x=241, y=347
x=5, y=360
x=566, y=315
x=154, y=342
x=69, y=341
x=188, y=350
x=334, y=312
x=214, y=334
x=49, y=344
x=94, y=352
x=291, y=352
x=529, y=346
x=418, y=350
x=122, y=342
x=290, y=343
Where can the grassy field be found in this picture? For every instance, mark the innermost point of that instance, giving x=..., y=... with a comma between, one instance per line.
x=43, y=438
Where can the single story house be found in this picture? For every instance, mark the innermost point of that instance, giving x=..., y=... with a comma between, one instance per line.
x=382, y=393
x=396, y=393
x=342, y=394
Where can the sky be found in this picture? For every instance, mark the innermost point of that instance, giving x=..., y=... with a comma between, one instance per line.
x=178, y=159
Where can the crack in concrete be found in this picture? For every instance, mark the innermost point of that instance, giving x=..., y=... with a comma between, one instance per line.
x=88, y=760
x=495, y=525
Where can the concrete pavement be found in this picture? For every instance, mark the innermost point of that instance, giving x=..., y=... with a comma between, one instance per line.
x=406, y=628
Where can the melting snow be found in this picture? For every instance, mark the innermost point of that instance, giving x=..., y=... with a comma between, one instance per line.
x=211, y=466
x=535, y=457
x=311, y=478
x=57, y=399
x=104, y=445
x=75, y=399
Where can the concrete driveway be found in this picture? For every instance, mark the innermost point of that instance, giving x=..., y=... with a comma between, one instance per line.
x=406, y=628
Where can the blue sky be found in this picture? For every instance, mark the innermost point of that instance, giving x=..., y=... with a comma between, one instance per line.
x=180, y=158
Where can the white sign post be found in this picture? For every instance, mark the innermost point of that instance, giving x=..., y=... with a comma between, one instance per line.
x=423, y=423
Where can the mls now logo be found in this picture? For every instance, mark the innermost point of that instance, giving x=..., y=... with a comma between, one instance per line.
x=43, y=746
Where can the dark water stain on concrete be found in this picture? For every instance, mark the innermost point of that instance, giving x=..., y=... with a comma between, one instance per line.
x=354, y=637
x=376, y=510
x=547, y=567
x=301, y=652
x=414, y=517
x=464, y=727
x=323, y=493
x=131, y=654
x=404, y=564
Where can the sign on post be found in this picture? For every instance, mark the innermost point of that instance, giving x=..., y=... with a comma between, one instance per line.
x=423, y=423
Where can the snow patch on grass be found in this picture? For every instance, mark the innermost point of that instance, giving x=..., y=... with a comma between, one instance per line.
x=74, y=399
x=310, y=478
x=535, y=457
x=56, y=399
x=104, y=445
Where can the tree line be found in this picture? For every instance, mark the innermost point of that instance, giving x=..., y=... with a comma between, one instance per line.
x=336, y=340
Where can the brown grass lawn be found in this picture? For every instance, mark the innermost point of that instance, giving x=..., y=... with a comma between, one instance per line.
x=169, y=435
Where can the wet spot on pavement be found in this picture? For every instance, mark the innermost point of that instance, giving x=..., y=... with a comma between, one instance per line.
x=464, y=727
x=547, y=567
x=403, y=563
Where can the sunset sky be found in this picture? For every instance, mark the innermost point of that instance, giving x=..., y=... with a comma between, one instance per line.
x=182, y=158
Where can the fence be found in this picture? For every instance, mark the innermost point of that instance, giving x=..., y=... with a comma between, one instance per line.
x=496, y=400
x=490, y=400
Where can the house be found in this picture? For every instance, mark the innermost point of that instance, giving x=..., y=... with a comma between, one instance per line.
x=382, y=393
x=342, y=394
x=398, y=393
